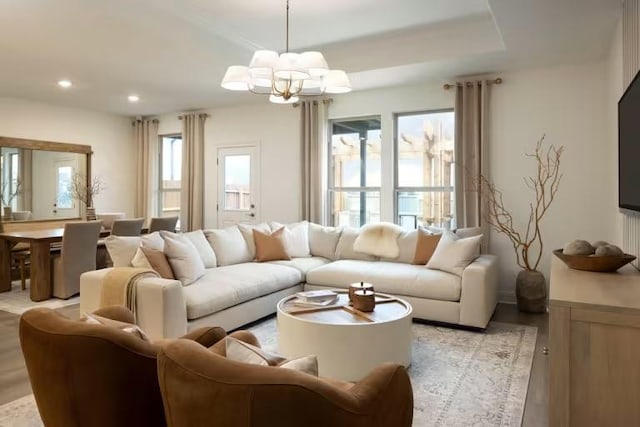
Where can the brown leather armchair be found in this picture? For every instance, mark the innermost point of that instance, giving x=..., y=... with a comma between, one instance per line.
x=94, y=375
x=201, y=387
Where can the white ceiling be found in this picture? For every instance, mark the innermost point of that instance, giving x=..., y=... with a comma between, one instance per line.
x=174, y=53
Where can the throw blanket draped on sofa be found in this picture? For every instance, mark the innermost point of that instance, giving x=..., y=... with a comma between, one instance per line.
x=379, y=240
x=120, y=286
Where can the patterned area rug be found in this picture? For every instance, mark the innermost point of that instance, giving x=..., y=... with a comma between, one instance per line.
x=459, y=378
x=18, y=301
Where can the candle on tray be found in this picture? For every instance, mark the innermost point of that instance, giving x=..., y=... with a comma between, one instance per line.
x=364, y=300
x=359, y=286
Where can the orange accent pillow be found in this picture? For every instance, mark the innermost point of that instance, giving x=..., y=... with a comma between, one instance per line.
x=159, y=262
x=270, y=247
x=425, y=246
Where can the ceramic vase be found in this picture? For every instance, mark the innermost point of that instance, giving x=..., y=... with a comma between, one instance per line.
x=531, y=292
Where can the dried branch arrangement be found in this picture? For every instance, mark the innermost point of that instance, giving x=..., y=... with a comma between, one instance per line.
x=84, y=192
x=545, y=185
x=7, y=196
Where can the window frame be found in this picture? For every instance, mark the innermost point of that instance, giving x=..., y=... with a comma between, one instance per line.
x=396, y=159
x=332, y=189
x=161, y=189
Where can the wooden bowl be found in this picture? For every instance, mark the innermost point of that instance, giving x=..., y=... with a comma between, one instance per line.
x=606, y=263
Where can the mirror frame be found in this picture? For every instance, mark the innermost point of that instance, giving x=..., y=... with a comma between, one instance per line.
x=35, y=144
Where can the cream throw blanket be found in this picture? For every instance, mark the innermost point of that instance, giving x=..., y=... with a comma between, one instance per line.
x=379, y=239
x=119, y=287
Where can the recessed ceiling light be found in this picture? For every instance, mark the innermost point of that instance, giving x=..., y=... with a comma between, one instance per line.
x=133, y=98
x=64, y=83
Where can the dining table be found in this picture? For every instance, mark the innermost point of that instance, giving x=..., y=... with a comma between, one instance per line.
x=39, y=241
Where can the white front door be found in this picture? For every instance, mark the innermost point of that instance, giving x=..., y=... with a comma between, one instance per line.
x=64, y=205
x=238, y=185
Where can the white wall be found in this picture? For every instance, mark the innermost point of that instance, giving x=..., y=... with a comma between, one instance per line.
x=109, y=136
x=570, y=105
x=277, y=130
x=615, y=89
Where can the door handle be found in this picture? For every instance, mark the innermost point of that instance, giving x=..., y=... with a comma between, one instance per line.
x=252, y=215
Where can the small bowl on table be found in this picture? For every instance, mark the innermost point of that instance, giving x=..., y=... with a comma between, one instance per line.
x=602, y=264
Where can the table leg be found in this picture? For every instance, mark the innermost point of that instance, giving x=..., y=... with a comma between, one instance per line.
x=40, y=286
x=5, y=265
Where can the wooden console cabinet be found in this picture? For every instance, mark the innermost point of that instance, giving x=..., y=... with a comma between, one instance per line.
x=594, y=347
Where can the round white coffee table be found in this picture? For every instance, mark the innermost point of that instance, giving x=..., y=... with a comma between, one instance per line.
x=347, y=342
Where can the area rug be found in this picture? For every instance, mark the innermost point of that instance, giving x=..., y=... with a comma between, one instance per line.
x=18, y=301
x=459, y=378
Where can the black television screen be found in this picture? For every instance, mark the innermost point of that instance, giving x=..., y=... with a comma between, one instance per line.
x=629, y=147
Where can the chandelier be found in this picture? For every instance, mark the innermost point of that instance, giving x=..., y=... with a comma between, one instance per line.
x=286, y=76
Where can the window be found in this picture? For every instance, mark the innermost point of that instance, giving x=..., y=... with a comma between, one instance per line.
x=170, y=175
x=424, y=186
x=355, y=172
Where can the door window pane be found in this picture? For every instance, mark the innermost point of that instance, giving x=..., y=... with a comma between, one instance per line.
x=64, y=200
x=237, y=182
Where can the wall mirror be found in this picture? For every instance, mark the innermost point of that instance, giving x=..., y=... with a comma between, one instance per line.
x=36, y=178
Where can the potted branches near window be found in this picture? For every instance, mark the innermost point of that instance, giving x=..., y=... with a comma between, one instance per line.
x=85, y=190
x=9, y=192
x=531, y=288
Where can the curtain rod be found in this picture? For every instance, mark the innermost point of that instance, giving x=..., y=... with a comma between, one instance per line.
x=139, y=120
x=448, y=86
x=206, y=115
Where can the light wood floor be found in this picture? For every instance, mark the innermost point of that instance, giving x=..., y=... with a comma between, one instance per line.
x=14, y=382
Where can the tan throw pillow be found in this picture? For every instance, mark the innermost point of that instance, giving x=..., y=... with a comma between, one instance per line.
x=240, y=351
x=426, y=245
x=130, y=328
x=158, y=262
x=270, y=246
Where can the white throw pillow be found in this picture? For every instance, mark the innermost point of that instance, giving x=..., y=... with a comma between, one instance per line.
x=184, y=259
x=140, y=260
x=453, y=254
x=407, y=243
x=296, y=238
x=122, y=249
x=344, y=249
x=323, y=240
x=229, y=246
x=152, y=241
x=247, y=233
x=203, y=247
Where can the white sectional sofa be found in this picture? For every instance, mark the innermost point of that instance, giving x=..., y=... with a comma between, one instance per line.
x=238, y=290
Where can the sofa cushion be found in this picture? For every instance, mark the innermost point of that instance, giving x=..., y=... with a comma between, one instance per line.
x=247, y=232
x=453, y=254
x=304, y=264
x=205, y=250
x=323, y=240
x=229, y=246
x=389, y=277
x=122, y=249
x=224, y=287
x=407, y=245
x=296, y=238
x=344, y=249
x=186, y=264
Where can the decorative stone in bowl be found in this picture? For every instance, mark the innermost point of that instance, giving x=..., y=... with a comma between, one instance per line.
x=599, y=263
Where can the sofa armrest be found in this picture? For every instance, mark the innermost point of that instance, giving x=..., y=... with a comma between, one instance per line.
x=479, y=294
x=160, y=308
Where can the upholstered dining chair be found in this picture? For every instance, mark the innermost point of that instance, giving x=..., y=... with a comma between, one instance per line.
x=127, y=227
x=243, y=395
x=77, y=255
x=167, y=223
x=85, y=374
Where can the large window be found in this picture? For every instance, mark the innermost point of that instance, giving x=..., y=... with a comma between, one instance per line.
x=355, y=172
x=170, y=175
x=425, y=169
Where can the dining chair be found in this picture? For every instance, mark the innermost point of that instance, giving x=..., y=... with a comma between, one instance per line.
x=127, y=227
x=167, y=223
x=77, y=255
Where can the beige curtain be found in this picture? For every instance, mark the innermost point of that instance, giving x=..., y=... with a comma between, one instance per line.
x=471, y=118
x=25, y=172
x=192, y=195
x=313, y=124
x=147, y=143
